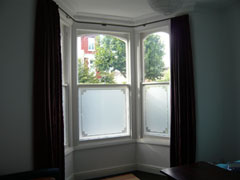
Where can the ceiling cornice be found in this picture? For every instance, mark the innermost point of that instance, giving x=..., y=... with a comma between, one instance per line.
x=102, y=18
x=65, y=6
x=95, y=15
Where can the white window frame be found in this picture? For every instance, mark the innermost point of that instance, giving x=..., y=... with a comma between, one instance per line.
x=140, y=34
x=124, y=34
x=66, y=34
x=91, y=41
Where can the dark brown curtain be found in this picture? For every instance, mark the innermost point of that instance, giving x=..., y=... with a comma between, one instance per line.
x=47, y=95
x=183, y=123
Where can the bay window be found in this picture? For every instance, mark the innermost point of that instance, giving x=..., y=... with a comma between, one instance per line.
x=112, y=93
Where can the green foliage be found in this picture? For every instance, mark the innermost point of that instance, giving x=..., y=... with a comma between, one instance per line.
x=153, y=54
x=166, y=76
x=107, y=78
x=84, y=75
x=110, y=55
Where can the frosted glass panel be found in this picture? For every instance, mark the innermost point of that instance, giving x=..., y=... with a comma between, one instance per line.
x=156, y=107
x=103, y=111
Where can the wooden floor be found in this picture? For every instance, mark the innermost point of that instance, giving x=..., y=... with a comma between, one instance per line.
x=141, y=175
x=128, y=176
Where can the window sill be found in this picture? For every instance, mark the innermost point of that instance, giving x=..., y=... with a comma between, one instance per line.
x=104, y=137
x=155, y=141
x=116, y=142
x=104, y=143
x=68, y=150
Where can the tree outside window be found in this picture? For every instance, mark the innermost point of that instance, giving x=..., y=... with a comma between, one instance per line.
x=109, y=63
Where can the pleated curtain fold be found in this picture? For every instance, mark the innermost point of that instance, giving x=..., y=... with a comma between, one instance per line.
x=47, y=91
x=183, y=122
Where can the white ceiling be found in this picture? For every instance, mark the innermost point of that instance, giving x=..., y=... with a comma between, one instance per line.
x=121, y=8
x=125, y=10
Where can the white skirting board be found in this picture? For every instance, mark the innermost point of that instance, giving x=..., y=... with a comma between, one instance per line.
x=115, y=170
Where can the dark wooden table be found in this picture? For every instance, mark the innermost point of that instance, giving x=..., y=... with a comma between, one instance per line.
x=200, y=171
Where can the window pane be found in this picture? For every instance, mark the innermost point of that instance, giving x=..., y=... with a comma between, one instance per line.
x=156, y=57
x=91, y=44
x=101, y=59
x=103, y=112
x=156, y=107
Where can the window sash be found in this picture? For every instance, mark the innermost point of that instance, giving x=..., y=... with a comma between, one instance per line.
x=123, y=36
x=120, y=87
x=156, y=108
x=145, y=132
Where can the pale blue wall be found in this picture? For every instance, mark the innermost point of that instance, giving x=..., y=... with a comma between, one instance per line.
x=215, y=76
x=234, y=18
x=16, y=59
